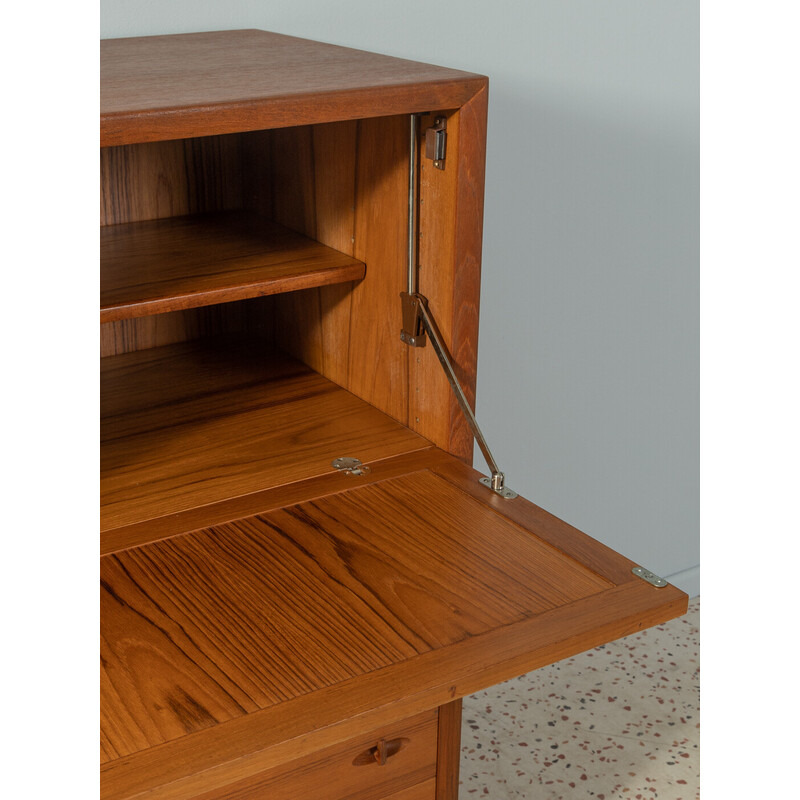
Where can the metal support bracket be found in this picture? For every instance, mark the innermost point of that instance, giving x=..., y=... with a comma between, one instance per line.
x=436, y=142
x=413, y=333
x=425, y=323
x=417, y=318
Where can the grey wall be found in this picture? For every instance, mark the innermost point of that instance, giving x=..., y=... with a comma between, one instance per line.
x=588, y=374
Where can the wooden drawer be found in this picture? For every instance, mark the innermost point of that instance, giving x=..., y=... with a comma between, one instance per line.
x=350, y=771
x=422, y=791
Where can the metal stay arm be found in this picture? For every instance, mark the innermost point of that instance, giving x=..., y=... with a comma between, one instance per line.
x=417, y=305
x=417, y=319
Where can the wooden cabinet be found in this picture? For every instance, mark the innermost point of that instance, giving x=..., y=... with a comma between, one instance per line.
x=274, y=627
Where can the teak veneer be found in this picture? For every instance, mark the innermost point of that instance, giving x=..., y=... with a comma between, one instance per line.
x=188, y=424
x=188, y=262
x=159, y=87
x=272, y=627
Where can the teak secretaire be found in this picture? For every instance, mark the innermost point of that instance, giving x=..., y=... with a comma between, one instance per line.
x=301, y=575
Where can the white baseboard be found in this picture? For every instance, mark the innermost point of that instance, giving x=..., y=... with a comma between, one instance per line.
x=687, y=580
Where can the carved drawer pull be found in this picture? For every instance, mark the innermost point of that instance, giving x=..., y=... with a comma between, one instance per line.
x=381, y=752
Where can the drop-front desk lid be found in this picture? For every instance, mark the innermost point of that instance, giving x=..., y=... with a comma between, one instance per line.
x=241, y=633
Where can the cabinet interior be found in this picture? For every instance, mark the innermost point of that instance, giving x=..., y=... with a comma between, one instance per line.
x=343, y=185
x=337, y=184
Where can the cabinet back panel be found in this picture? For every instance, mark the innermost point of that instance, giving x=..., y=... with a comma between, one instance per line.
x=241, y=318
x=127, y=335
x=168, y=179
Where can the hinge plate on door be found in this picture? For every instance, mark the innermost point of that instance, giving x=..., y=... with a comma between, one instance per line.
x=503, y=491
x=650, y=577
x=436, y=142
x=350, y=466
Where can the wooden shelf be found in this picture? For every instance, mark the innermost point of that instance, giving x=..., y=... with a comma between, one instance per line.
x=199, y=260
x=197, y=423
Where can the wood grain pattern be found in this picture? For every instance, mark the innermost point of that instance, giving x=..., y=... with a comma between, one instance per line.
x=450, y=214
x=311, y=176
x=261, y=613
x=142, y=333
x=335, y=773
x=606, y=562
x=187, y=85
x=211, y=758
x=136, y=534
x=186, y=262
x=170, y=179
x=602, y=560
x=377, y=359
x=468, y=226
x=205, y=627
x=350, y=181
x=422, y=791
x=192, y=424
x=448, y=751
x=430, y=396
x=161, y=180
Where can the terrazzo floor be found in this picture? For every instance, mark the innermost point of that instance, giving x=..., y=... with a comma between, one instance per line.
x=621, y=721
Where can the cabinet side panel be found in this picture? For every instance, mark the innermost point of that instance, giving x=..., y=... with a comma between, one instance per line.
x=308, y=184
x=468, y=249
x=450, y=231
x=346, y=185
x=377, y=359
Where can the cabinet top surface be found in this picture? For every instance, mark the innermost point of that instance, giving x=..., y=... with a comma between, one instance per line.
x=196, y=84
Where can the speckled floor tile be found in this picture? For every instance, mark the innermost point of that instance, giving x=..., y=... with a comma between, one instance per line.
x=621, y=721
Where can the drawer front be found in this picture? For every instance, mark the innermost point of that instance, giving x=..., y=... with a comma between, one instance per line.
x=422, y=791
x=353, y=770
